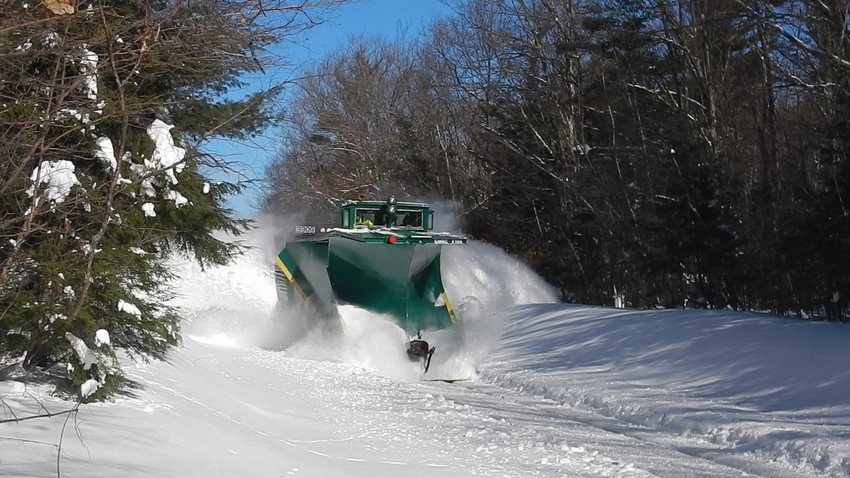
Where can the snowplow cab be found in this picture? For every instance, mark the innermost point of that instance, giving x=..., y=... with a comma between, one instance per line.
x=388, y=214
x=382, y=256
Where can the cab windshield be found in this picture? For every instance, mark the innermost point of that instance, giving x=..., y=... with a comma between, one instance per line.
x=368, y=217
x=409, y=218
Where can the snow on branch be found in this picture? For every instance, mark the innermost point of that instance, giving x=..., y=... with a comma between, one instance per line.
x=58, y=179
x=84, y=353
x=167, y=156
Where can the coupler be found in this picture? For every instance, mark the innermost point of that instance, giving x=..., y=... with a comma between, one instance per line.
x=418, y=350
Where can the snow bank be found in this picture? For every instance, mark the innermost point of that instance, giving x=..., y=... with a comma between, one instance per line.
x=742, y=382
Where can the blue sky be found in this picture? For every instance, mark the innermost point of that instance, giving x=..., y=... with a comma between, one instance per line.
x=379, y=17
x=390, y=19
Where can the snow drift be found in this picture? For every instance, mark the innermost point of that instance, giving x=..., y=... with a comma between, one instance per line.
x=560, y=390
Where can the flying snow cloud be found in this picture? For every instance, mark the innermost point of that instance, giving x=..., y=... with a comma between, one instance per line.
x=236, y=305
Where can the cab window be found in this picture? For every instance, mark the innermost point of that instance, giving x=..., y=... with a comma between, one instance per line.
x=409, y=218
x=367, y=217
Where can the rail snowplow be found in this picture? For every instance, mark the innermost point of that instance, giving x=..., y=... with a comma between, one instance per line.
x=382, y=256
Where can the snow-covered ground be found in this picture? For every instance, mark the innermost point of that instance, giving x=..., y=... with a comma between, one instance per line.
x=556, y=391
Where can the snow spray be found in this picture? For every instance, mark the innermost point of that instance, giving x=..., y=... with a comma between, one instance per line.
x=235, y=305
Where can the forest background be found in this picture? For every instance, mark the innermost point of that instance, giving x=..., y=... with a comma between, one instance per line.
x=637, y=153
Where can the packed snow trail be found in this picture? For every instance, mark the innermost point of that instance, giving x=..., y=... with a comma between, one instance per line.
x=222, y=411
x=464, y=430
x=217, y=411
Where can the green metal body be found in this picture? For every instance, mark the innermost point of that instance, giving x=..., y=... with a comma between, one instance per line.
x=388, y=263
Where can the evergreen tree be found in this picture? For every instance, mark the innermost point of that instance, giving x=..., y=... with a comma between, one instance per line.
x=103, y=110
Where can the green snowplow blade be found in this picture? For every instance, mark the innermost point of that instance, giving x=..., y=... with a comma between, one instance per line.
x=401, y=280
x=305, y=266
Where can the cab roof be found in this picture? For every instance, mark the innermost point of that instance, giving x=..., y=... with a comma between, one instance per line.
x=419, y=205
